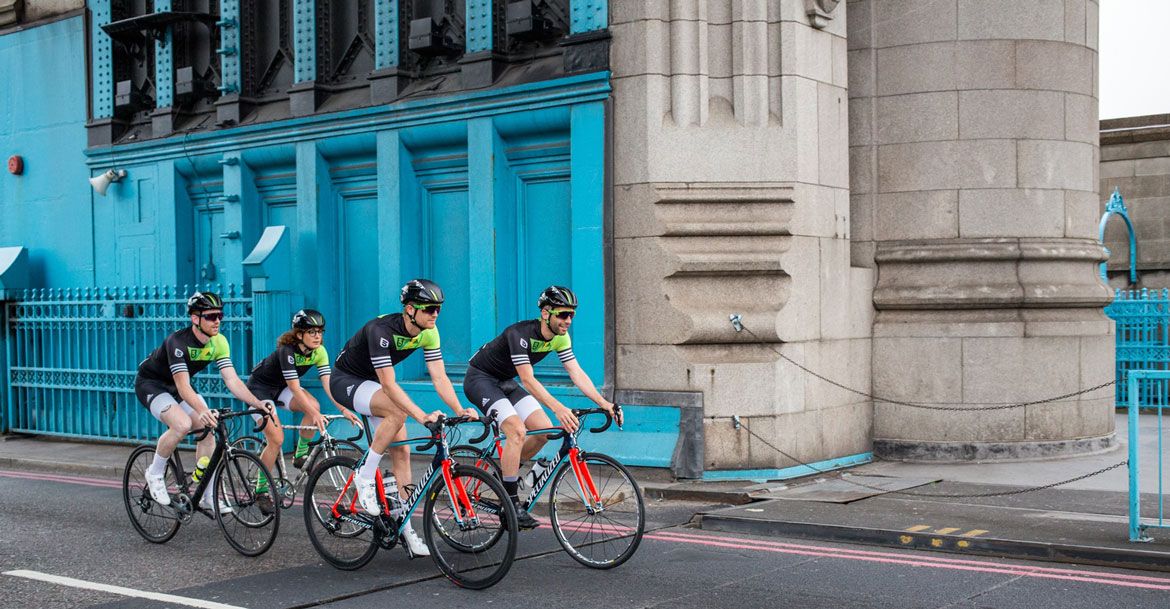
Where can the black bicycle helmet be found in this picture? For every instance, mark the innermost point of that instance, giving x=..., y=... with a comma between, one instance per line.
x=422, y=291
x=557, y=296
x=308, y=318
x=203, y=301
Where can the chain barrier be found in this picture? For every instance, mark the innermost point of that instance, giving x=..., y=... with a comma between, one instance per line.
x=739, y=423
x=922, y=405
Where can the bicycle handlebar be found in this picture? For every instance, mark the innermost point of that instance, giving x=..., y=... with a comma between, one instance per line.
x=223, y=414
x=436, y=429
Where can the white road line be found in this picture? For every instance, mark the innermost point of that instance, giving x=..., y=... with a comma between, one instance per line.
x=154, y=596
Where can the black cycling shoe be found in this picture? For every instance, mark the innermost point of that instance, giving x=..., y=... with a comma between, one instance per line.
x=264, y=502
x=524, y=520
x=299, y=462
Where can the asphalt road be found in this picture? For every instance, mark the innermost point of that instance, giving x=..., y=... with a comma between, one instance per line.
x=54, y=526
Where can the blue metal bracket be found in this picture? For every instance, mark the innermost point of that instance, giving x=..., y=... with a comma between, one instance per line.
x=229, y=22
x=226, y=51
x=1116, y=206
x=230, y=161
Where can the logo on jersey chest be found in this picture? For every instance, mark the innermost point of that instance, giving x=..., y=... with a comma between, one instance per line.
x=541, y=346
x=301, y=360
x=198, y=354
x=402, y=343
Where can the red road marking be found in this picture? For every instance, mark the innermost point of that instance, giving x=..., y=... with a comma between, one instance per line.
x=739, y=543
x=1131, y=581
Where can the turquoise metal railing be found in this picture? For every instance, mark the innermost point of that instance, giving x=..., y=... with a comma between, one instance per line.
x=1152, y=386
x=1142, y=320
x=73, y=353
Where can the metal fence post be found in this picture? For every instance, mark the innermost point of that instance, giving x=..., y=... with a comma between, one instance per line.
x=1135, y=508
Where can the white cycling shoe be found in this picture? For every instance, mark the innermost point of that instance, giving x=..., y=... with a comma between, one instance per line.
x=157, y=485
x=205, y=503
x=367, y=495
x=414, y=544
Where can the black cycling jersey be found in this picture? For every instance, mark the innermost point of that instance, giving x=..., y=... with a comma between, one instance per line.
x=287, y=363
x=182, y=352
x=519, y=343
x=383, y=342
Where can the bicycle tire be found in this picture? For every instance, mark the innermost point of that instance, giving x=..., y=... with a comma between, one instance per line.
x=584, y=537
x=344, y=545
x=470, y=456
x=466, y=454
x=247, y=528
x=343, y=448
x=255, y=446
x=155, y=523
x=494, y=515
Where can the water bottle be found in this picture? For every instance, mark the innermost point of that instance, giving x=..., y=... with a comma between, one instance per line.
x=200, y=467
x=538, y=468
x=390, y=483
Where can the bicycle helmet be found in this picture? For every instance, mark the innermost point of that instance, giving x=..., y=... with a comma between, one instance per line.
x=308, y=318
x=422, y=291
x=203, y=301
x=557, y=296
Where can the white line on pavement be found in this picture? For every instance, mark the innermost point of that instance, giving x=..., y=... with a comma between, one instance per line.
x=154, y=596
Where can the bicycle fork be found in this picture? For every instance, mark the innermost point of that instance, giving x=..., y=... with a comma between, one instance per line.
x=465, y=515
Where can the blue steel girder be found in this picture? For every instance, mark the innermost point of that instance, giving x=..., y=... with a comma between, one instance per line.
x=164, y=62
x=588, y=15
x=385, y=34
x=479, y=25
x=103, y=60
x=229, y=41
x=305, y=40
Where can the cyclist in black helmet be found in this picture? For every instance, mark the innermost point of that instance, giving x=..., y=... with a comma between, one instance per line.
x=516, y=407
x=277, y=378
x=363, y=379
x=164, y=382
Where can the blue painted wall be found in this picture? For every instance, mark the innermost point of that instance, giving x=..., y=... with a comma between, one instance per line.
x=42, y=119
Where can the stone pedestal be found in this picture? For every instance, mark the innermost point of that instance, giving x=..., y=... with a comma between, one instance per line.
x=730, y=196
x=973, y=149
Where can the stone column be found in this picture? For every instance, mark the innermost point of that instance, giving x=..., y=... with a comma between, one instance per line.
x=730, y=196
x=974, y=152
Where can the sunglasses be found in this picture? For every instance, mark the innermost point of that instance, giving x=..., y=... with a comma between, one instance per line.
x=564, y=314
x=429, y=309
x=211, y=316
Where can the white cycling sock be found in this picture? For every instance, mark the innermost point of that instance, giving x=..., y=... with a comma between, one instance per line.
x=158, y=466
x=370, y=468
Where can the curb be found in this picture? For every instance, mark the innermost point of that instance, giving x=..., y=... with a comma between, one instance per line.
x=655, y=491
x=61, y=467
x=1000, y=548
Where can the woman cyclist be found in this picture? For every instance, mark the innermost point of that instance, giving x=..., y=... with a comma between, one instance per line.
x=277, y=378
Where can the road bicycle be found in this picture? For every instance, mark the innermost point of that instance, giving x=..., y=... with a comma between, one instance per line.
x=232, y=471
x=324, y=447
x=472, y=539
x=595, y=507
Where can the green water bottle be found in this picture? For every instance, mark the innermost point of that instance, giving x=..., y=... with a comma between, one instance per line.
x=200, y=467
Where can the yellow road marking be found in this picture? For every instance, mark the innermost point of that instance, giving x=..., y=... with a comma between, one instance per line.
x=963, y=544
x=918, y=527
x=973, y=533
x=936, y=543
x=905, y=539
x=947, y=530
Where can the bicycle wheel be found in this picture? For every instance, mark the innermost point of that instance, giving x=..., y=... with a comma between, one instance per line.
x=340, y=539
x=341, y=448
x=466, y=454
x=247, y=528
x=156, y=523
x=489, y=527
x=602, y=535
x=470, y=456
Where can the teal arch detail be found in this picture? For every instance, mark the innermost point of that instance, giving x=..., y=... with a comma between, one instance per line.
x=1116, y=206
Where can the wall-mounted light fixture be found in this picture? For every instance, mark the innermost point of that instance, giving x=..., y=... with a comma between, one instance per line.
x=102, y=182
